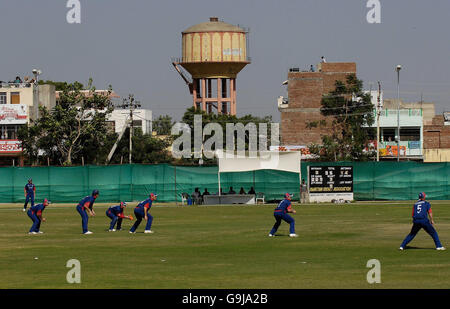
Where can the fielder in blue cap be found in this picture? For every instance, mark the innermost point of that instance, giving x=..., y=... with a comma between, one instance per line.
x=84, y=206
x=30, y=193
x=142, y=212
x=281, y=213
x=421, y=212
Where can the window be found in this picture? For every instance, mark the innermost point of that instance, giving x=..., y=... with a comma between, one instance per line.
x=9, y=131
x=2, y=97
x=410, y=134
x=15, y=97
x=388, y=135
x=137, y=123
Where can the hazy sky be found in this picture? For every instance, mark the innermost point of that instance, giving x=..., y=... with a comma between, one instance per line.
x=129, y=44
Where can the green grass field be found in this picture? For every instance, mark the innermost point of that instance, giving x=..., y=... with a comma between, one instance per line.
x=226, y=247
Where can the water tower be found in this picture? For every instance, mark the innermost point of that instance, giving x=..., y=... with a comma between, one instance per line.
x=213, y=53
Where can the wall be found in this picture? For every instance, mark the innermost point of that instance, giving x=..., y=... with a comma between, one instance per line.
x=305, y=91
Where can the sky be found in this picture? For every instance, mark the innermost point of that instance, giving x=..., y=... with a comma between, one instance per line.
x=129, y=45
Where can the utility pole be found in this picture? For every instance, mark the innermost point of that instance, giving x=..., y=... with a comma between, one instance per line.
x=398, y=68
x=132, y=104
x=378, y=121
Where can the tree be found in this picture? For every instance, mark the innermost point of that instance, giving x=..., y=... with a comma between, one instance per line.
x=222, y=120
x=350, y=114
x=76, y=121
x=29, y=135
x=60, y=86
x=146, y=148
x=163, y=124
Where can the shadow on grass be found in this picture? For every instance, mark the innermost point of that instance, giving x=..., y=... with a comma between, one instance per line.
x=418, y=248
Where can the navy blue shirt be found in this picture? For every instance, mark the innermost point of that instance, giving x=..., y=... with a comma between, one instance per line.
x=116, y=210
x=421, y=209
x=87, y=202
x=144, y=205
x=30, y=188
x=37, y=209
x=283, y=207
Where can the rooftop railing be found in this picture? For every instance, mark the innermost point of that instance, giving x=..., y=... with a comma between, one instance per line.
x=15, y=85
x=410, y=112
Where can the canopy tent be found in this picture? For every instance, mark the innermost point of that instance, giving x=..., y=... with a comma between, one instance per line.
x=288, y=161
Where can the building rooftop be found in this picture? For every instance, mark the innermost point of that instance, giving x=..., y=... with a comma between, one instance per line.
x=213, y=25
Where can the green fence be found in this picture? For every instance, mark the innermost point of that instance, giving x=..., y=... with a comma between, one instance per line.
x=372, y=181
x=396, y=180
x=135, y=182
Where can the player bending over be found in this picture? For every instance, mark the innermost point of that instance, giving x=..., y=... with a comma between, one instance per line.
x=85, y=206
x=421, y=211
x=35, y=214
x=141, y=211
x=115, y=213
x=281, y=213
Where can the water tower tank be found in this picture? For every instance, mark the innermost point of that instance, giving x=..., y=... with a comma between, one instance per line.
x=214, y=49
x=214, y=52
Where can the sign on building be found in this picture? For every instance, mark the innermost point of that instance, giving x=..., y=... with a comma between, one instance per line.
x=13, y=114
x=10, y=146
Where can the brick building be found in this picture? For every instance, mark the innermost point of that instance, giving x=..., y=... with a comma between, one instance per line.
x=436, y=139
x=305, y=91
x=437, y=134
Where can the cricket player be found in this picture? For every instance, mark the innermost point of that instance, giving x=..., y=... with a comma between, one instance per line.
x=281, y=213
x=421, y=212
x=141, y=211
x=115, y=213
x=85, y=206
x=30, y=193
x=35, y=214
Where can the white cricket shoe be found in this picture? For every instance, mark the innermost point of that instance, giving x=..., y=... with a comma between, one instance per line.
x=440, y=248
x=293, y=235
x=271, y=235
x=24, y=209
x=34, y=233
x=40, y=232
x=148, y=232
x=88, y=233
x=401, y=248
x=132, y=232
x=113, y=230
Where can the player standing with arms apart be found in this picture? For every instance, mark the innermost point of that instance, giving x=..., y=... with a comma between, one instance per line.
x=84, y=206
x=421, y=211
x=141, y=211
x=30, y=193
x=35, y=214
x=115, y=213
x=281, y=213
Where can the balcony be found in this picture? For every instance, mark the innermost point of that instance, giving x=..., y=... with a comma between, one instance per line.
x=407, y=117
x=15, y=85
